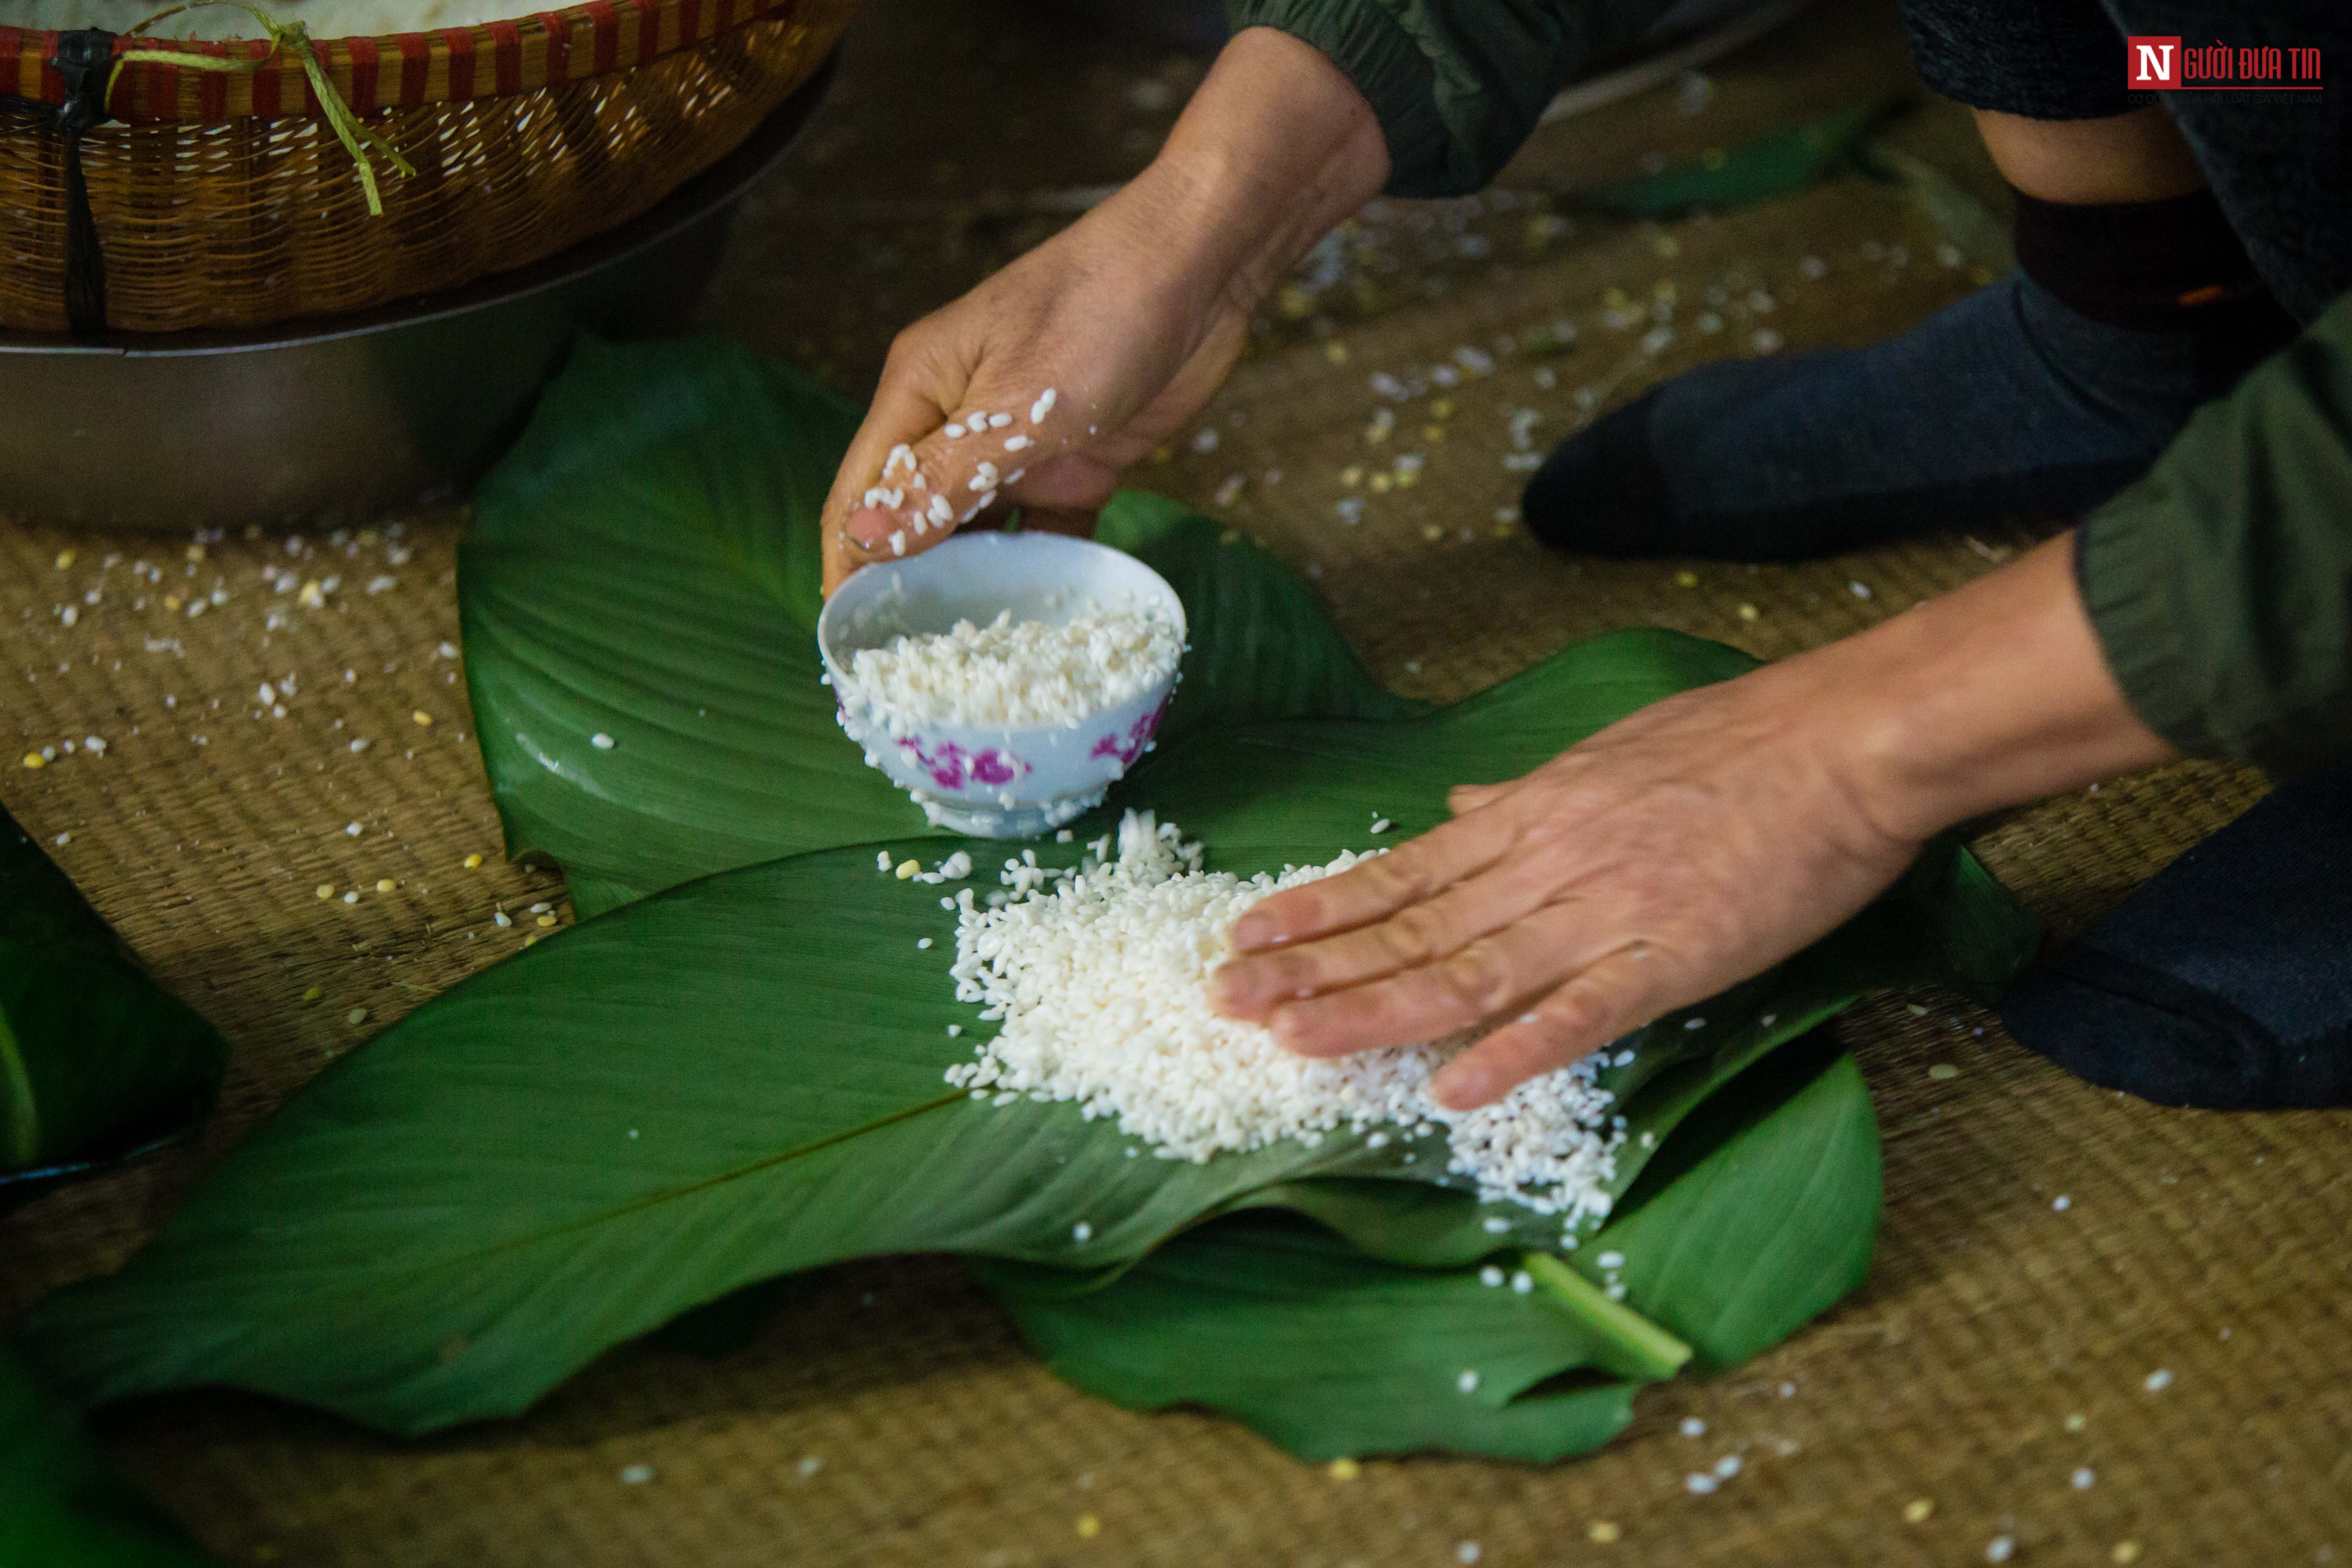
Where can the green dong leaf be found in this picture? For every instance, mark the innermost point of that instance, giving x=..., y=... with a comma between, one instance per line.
x=1287, y=1329
x=443, y=1226
x=98, y=1063
x=1758, y=1216
x=61, y=1505
x=644, y=565
x=1759, y=1213
x=742, y=1077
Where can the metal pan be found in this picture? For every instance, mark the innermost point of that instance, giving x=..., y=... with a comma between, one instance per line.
x=346, y=418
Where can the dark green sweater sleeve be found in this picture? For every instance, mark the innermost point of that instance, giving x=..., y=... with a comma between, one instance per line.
x=2220, y=585
x=1457, y=84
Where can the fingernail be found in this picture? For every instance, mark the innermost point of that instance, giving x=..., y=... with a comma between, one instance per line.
x=1285, y=1028
x=1221, y=994
x=1239, y=999
x=871, y=526
x=1460, y=1090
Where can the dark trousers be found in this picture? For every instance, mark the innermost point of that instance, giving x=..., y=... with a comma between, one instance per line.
x=2279, y=162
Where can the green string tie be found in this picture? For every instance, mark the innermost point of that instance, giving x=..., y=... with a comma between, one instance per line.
x=359, y=139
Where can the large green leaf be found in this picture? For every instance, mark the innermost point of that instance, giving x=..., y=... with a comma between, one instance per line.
x=61, y=1505
x=96, y=1061
x=1787, y=1134
x=443, y=1226
x=1761, y=1211
x=1289, y=1328
x=645, y=566
x=1261, y=647
x=742, y=1077
x=1759, y=1215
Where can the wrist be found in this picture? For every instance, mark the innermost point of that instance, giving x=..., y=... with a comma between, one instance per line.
x=1990, y=697
x=1275, y=148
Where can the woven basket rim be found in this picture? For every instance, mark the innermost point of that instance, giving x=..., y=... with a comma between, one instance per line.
x=488, y=59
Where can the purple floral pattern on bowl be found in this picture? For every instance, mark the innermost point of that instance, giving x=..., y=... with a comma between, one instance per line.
x=1127, y=747
x=952, y=767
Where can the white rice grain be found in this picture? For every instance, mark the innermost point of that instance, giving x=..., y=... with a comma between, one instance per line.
x=1100, y=974
x=1019, y=674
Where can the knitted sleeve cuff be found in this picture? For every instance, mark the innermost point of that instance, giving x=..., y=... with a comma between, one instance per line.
x=1456, y=84
x=2220, y=585
x=1373, y=49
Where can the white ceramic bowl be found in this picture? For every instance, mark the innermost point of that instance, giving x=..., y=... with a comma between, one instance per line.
x=996, y=783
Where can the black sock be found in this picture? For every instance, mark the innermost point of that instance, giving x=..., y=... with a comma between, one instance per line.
x=2226, y=981
x=2037, y=397
x=2172, y=266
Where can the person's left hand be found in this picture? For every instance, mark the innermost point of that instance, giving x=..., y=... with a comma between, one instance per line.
x=1665, y=858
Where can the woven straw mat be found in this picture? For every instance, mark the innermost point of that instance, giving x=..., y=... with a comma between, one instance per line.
x=2000, y=1351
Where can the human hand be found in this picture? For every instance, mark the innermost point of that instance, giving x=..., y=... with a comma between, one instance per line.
x=1034, y=389
x=1104, y=341
x=1667, y=857
x=1691, y=845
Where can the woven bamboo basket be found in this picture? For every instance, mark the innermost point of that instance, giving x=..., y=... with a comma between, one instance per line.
x=226, y=200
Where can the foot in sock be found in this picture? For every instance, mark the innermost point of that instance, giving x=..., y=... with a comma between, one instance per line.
x=2006, y=404
x=2226, y=981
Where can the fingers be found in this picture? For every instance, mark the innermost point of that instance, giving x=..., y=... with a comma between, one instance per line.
x=906, y=410
x=930, y=486
x=922, y=467
x=1076, y=482
x=1608, y=998
x=1252, y=986
x=1498, y=974
x=1377, y=888
x=1035, y=390
x=1464, y=799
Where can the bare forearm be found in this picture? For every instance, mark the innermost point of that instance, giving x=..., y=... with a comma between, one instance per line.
x=1986, y=698
x=1126, y=322
x=1273, y=149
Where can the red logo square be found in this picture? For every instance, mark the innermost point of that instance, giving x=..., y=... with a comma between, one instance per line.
x=2151, y=62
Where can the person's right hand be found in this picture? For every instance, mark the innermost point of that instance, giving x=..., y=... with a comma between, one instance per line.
x=1128, y=350
x=1106, y=340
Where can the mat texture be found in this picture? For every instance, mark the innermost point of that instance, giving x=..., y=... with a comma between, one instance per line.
x=2154, y=1371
